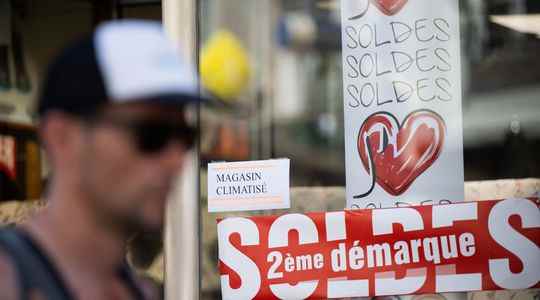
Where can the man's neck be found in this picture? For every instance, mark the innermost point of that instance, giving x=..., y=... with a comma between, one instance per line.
x=75, y=240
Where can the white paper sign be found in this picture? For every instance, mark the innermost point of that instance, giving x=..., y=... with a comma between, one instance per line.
x=402, y=102
x=248, y=185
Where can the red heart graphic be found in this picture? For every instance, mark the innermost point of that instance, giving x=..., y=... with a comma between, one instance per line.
x=399, y=154
x=389, y=7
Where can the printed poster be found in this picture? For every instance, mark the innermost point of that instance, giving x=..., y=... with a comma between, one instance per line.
x=8, y=154
x=470, y=246
x=402, y=102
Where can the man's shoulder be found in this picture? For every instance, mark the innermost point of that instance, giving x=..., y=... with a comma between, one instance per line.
x=8, y=277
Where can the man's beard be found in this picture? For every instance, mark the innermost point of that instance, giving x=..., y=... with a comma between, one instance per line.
x=144, y=247
x=132, y=224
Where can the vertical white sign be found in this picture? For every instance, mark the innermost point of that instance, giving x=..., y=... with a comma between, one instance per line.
x=402, y=102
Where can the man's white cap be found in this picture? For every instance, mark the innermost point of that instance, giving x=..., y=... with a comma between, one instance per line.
x=122, y=61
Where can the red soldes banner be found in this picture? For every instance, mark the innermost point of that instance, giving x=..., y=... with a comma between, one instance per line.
x=469, y=246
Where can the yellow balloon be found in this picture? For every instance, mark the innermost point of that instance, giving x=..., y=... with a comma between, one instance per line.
x=224, y=65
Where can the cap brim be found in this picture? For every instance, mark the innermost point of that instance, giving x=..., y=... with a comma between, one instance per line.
x=177, y=99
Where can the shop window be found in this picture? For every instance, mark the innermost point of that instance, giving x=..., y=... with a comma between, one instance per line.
x=292, y=105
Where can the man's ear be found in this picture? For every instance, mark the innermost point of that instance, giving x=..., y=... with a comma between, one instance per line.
x=61, y=135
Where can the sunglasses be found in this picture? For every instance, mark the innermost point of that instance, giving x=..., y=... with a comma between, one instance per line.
x=153, y=136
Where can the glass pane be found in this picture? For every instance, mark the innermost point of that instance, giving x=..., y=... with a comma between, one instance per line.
x=291, y=104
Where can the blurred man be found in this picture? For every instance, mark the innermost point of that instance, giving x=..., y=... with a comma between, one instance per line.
x=113, y=124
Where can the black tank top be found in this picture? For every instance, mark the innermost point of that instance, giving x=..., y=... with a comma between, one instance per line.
x=36, y=271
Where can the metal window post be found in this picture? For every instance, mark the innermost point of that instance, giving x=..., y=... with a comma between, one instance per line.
x=182, y=232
